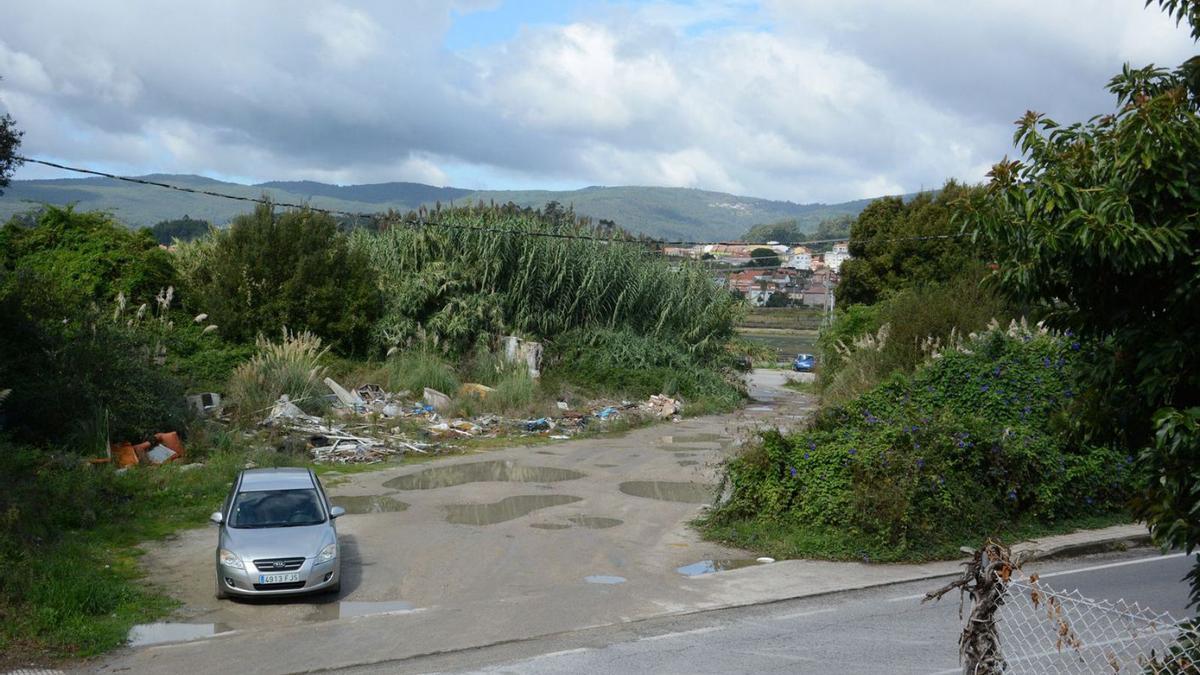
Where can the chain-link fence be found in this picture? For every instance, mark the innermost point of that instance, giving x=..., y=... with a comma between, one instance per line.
x=1020, y=624
x=1045, y=630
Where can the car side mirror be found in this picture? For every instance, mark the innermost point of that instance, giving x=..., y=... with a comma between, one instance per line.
x=217, y=518
x=336, y=512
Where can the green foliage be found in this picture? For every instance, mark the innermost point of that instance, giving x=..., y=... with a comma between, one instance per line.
x=292, y=366
x=416, y=369
x=637, y=366
x=516, y=392
x=452, y=287
x=295, y=270
x=183, y=229
x=888, y=252
x=764, y=257
x=790, y=232
x=76, y=375
x=1099, y=225
x=89, y=256
x=855, y=355
x=963, y=447
x=10, y=140
x=68, y=534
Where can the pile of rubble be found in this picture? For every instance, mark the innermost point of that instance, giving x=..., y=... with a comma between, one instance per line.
x=347, y=442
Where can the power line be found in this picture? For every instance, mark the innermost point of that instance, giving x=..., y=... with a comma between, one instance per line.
x=389, y=220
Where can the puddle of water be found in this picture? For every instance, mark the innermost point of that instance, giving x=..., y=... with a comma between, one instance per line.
x=166, y=631
x=595, y=522
x=506, y=509
x=688, y=462
x=348, y=608
x=685, y=448
x=690, y=493
x=759, y=408
x=480, y=472
x=606, y=466
x=604, y=579
x=550, y=526
x=369, y=504
x=695, y=438
x=710, y=566
x=547, y=452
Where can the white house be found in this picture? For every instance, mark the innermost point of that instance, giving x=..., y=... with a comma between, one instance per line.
x=800, y=259
x=835, y=258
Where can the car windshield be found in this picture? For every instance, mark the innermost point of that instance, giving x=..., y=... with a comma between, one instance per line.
x=276, y=508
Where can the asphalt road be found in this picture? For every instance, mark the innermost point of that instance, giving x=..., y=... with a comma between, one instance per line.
x=884, y=629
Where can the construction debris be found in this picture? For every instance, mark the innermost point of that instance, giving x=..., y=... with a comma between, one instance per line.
x=525, y=352
x=348, y=400
x=480, y=391
x=205, y=404
x=436, y=399
x=662, y=407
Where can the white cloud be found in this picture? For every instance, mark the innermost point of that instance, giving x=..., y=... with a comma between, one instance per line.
x=798, y=99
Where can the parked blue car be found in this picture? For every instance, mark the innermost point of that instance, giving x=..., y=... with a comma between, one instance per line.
x=803, y=363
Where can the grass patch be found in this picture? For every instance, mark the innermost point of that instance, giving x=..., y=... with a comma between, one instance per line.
x=417, y=369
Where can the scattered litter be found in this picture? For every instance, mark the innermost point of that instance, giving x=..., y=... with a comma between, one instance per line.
x=662, y=407
x=284, y=411
x=562, y=405
x=348, y=400
x=160, y=454
x=765, y=559
x=529, y=353
x=475, y=389
x=540, y=424
x=560, y=437
x=436, y=399
x=605, y=413
x=204, y=404
x=371, y=393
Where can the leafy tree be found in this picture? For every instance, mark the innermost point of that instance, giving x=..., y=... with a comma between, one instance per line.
x=895, y=244
x=90, y=255
x=10, y=140
x=1099, y=224
x=269, y=271
x=764, y=257
x=778, y=299
x=784, y=232
x=184, y=229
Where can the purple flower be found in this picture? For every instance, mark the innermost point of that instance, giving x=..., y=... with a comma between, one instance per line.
x=983, y=387
x=1074, y=346
x=853, y=451
x=920, y=463
x=793, y=470
x=1012, y=495
x=1046, y=361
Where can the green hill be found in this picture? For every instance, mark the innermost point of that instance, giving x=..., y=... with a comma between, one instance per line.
x=672, y=213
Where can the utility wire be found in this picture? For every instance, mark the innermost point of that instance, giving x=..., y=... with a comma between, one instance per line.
x=380, y=218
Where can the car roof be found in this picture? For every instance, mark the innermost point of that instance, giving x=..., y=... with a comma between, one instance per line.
x=284, y=478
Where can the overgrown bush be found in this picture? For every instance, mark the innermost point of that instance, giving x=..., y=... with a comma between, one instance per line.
x=291, y=366
x=78, y=377
x=857, y=352
x=966, y=446
x=417, y=369
x=638, y=366
x=292, y=269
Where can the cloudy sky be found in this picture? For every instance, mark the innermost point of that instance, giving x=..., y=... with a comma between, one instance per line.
x=807, y=100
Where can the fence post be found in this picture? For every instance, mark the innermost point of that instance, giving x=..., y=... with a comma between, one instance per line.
x=983, y=580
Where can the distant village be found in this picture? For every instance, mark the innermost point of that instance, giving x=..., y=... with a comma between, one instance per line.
x=801, y=277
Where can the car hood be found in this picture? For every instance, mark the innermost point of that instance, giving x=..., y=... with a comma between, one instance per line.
x=277, y=542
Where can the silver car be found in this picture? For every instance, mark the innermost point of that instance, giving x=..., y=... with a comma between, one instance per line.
x=277, y=536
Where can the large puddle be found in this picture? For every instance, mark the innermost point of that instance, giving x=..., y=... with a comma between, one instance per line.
x=595, y=522
x=604, y=579
x=550, y=526
x=710, y=566
x=717, y=439
x=166, y=631
x=480, y=472
x=506, y=509
x=369, y=504
x=667, y=491
x=688, y=462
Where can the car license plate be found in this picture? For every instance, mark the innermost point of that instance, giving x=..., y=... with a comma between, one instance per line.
x=278, y=578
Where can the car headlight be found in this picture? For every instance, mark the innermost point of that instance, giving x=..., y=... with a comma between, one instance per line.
x=328, y=553
x=230, y=559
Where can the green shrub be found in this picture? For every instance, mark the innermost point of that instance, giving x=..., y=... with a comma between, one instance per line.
x=637, y=366
x=291, y=366
x=857, y=351
x=516, y=392
x=962, y=448
x=77, y=376
x=294, y=269
x=417, y=369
